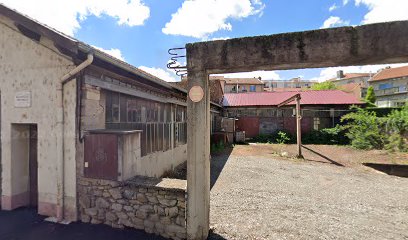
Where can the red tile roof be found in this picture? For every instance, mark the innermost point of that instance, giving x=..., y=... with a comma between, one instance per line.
x=389, y=73
x=324, y=97
x=350, y=76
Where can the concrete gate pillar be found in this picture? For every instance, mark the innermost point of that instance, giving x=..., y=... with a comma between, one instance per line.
x=198, y=152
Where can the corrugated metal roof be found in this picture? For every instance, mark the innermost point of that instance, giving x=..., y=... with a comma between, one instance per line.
x=323, y=97
x=389, y=73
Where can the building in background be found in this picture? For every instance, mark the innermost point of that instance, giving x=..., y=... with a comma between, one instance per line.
x=391, y=86
x=348, y=78
x=240, y=85
x=257, y=113
x=285, y=85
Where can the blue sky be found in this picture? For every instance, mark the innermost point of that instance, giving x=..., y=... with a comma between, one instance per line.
x=141, y=31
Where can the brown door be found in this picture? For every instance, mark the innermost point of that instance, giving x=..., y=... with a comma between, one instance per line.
x=33, y=166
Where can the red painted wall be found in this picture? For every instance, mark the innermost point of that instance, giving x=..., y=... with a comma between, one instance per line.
x=250, y=125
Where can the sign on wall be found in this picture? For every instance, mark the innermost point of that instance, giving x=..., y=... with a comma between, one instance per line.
x=22, y=99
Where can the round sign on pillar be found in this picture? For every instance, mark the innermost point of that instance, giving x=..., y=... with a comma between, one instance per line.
x=196, y=93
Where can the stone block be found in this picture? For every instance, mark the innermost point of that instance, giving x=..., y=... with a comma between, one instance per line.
x=110, y=216
x=117, y=207
x=95, y=221
x=147, y=208
x=168, y=202
x=102, y=203
x=126, y=222
x=171, y=212
x=128, y=208
x=85, y=218
x=128, y=194
x=141, y=214
x=115, y=193
x=91, y=211
x=138, y=223
x=141, y=198
x=152, y=199
x=159, y=210
x=154, y=218
x=122, y=215
x=84, y=201
x=148, y=224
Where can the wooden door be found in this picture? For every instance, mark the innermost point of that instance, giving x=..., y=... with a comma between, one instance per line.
x=33, y=166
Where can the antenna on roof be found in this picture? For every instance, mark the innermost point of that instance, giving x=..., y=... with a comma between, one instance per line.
x=174, y=63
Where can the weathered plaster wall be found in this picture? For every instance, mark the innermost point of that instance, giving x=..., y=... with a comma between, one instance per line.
x=27, y=65
x=156, y=206
x=155, y=164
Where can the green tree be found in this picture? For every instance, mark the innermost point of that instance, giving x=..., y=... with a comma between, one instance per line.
x=364, y=129
x=370, y=97
x=324, y=86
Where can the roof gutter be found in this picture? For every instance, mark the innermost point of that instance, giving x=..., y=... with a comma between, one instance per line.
x=61, y=122
x=125, y=66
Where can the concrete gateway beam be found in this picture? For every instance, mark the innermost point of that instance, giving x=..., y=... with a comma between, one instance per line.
x=345, y=46
x=370, y=44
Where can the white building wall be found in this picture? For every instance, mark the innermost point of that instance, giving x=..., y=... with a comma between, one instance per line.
x=27, y=65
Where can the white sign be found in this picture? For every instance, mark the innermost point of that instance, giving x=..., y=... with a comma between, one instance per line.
x=22, y=99
x=196, y=93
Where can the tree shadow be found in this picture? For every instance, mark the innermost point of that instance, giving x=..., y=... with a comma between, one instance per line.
x=218, y=161
x=323, y=156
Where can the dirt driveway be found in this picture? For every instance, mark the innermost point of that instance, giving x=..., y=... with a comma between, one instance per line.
x=257, y=195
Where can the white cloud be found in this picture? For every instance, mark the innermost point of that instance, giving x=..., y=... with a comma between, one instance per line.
x=384, y=10
x=345, y=2
x=114, y=52
x=334, y=22
x=333, y=7
x=265, y=75
x=66, y=16
x=199, y=18
x=329, y=73
x=218, y=38
x=167, y=75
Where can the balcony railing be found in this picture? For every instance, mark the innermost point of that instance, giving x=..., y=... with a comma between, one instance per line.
x=390, y=91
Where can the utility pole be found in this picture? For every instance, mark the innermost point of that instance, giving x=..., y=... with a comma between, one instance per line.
x=298, y=128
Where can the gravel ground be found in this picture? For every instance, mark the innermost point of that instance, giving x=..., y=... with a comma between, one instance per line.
x=259, y=197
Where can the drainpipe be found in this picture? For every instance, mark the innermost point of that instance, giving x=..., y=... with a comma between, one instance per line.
x=61, y=158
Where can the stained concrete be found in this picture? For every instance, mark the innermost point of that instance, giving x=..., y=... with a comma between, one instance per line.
x=345, y=46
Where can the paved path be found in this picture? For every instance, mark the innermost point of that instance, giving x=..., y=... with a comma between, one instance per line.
x=24, y=224
x=259, y=197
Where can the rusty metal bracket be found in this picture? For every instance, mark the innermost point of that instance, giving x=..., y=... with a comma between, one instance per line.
x=174, y=61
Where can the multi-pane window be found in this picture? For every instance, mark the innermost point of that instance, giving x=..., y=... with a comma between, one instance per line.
x=252, y=88
x=316, y=123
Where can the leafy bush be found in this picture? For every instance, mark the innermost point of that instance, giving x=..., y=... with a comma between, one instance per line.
x=281, y=137
x=397, y=128
x=331, y=136
x=324, y=86
x=364, y=129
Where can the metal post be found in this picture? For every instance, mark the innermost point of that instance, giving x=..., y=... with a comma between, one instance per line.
x=298, y=128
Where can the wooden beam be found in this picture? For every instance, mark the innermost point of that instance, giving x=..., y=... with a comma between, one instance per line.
x=297, y=98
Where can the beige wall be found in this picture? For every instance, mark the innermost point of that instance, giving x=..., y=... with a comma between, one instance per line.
x=229, y=87
x=26, y=65
x=155, y=164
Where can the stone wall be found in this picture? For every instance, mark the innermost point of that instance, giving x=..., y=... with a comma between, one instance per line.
x=153, y=205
